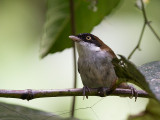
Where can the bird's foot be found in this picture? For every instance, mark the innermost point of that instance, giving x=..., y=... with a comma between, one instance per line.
x=85, y=89
x=134, y=92
x=132, y=88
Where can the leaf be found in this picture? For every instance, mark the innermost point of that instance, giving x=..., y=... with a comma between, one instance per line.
x=16, y=112
x=146, y=76
x=58, y=27
x=152, y=112
x=151, y=71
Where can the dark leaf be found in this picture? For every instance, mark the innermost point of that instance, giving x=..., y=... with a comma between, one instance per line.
x=151, y=71
x=16, y=112
x=57, y=25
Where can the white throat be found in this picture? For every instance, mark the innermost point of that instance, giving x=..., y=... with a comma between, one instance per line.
x=86, y=49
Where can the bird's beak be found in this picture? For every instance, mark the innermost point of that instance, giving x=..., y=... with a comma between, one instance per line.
x=74, y=38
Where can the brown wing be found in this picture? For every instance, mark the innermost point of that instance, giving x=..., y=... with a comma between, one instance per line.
x=109, y=50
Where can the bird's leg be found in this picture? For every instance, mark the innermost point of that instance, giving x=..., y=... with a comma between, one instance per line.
x=134, y=92
x=85, y=88
x=132, y=88
x=102, y=91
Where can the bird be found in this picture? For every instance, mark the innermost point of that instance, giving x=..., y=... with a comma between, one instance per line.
x=95, y=62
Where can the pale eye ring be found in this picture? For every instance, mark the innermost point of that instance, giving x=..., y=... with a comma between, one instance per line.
x=88, y=38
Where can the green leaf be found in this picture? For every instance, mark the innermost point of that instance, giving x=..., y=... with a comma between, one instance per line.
x=58, y=27
x=152, y=112
x=16, y=112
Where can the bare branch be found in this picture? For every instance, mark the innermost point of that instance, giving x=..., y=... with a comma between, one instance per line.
x=154, y=32
x=30, y=94
x=146, y=22
x=139, y=41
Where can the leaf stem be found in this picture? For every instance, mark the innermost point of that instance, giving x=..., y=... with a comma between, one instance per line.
x=73, y=30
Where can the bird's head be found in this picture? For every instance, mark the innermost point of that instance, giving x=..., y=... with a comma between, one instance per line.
x=87, y=39
x=88, y=42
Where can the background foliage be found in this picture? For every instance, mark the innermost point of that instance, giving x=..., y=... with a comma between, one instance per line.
x=58, y=28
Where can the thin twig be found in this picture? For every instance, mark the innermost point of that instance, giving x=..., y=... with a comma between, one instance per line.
x=146, y=22
x=144, y=12
x=154, y=32
x=139, y=41
x=30, y=94
x=73, y=30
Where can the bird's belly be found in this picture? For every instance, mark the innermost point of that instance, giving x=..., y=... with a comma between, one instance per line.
x=96, y=73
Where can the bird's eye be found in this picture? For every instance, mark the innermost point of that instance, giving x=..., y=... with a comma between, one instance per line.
x=88, y=38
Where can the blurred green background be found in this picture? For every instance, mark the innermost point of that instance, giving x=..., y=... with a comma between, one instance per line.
x=21, y=27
